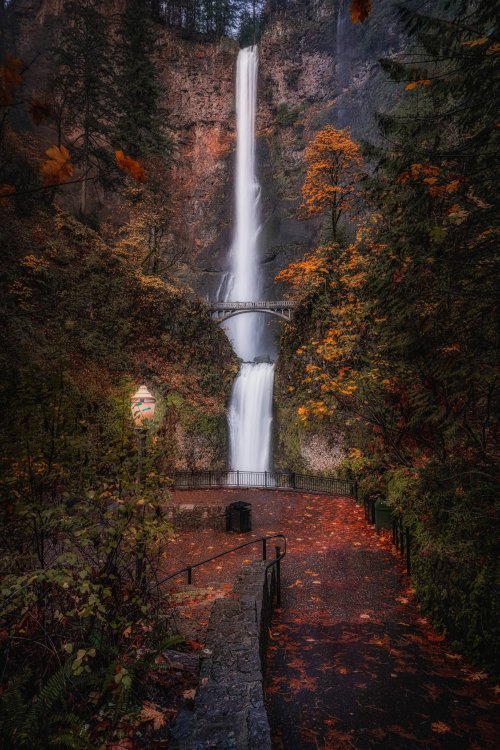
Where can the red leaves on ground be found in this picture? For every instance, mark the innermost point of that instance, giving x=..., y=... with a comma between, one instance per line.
x=358, y=639
x=151, y=713
x=130, y=166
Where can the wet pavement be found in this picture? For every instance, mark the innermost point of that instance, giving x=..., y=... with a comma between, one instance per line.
x=352, y=662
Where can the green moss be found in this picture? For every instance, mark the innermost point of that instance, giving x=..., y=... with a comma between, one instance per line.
x=286, y=115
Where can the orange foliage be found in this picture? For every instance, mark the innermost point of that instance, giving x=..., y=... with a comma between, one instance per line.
x=150, y=712
x=130, y=166
x=334, y=164
x=306, y=274
x=58, y=167
x=10, y=79
x=437, y=182
x=360, y=10
x=414, y=84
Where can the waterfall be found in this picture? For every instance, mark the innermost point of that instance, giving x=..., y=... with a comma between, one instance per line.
x=250, y=411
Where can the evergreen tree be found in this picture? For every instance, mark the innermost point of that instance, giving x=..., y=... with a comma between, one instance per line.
x=139, y=131
x=83, y=77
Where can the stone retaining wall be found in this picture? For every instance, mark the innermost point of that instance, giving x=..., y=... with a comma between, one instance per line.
x=188, y=516
x=229, y=711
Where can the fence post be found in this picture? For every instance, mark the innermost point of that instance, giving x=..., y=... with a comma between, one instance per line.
x=265, y=482
x=408, y=551
x=278, y=576
x=356, y=491
x=237, y=478
x=292, y=480
x=264, y=549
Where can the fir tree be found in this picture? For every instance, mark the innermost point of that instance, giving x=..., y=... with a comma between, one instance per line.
x=139, y=130
x=83, y=76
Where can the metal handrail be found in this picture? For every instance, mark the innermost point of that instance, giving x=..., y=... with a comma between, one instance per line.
x=267, y=305
x=263, y=539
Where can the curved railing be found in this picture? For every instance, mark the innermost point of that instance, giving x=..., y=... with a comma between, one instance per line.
x=268, y=305
x=275, y=562
x=273, y=480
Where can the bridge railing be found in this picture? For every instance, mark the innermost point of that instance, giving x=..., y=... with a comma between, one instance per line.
x=268, y=305
x=278, y=480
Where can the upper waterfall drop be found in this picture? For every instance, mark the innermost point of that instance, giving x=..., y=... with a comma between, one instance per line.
x=246, y=331
x=250, y=412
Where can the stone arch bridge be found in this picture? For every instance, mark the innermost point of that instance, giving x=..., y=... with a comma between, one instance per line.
x=221, y=311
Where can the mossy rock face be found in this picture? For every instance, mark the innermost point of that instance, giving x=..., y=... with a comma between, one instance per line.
x=201, y=438
x=306, y=448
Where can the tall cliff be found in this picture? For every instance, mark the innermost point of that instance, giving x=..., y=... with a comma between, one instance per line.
x=316, y=67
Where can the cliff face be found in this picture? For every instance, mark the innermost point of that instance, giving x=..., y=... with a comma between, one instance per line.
x=199, y=84
x=316, y=68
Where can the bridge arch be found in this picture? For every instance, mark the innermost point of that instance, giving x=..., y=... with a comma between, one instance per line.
x=281, y=309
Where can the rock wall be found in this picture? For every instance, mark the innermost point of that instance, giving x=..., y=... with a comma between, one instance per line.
x=189, y=516
x=199, y=84
x=229, y=711
x=316, y=68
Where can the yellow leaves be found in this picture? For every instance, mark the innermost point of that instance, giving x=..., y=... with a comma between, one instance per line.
x=10, y=79
x=360, y=10
x=307, y=273
x=150, y=712
x=415, y=84
x=58, y=167
x=355, y=453
x=130, y=166
x=334, y=162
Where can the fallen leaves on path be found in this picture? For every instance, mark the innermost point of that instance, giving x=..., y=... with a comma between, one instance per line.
x=352, y=662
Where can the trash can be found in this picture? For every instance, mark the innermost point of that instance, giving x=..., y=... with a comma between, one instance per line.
x=383, y=515
x=239, y=517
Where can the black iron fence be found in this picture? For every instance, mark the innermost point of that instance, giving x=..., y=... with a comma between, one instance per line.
x=402, y=535
x=278, y=480
x=402, y=538
x=273, y=583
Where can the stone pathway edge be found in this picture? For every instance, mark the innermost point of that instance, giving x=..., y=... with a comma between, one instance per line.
x=229, y=711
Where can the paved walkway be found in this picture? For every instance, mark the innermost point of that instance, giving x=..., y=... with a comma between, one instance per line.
x=352, y=663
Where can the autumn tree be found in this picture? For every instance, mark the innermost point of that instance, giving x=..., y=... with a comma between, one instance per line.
x=147, y=239
x=333, y=169
x=401, y=339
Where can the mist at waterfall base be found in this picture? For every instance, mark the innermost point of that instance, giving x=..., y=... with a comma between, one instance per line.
x=250, y=411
